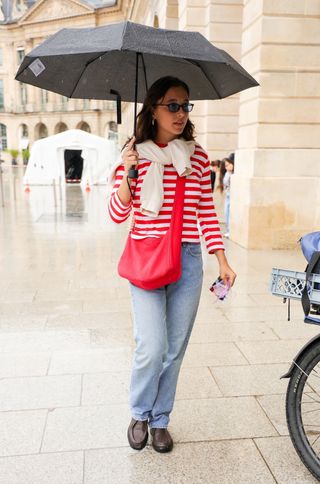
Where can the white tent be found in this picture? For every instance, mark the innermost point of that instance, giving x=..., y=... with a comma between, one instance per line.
x=47, y=158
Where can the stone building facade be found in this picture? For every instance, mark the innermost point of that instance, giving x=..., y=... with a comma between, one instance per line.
x=26, y=112
x=274, y=129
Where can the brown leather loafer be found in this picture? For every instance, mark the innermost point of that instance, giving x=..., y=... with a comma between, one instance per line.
x=138, y=434
x=162, y=441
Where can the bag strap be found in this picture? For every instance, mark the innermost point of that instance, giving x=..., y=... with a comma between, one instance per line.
x=305, y=300
x=177, y=209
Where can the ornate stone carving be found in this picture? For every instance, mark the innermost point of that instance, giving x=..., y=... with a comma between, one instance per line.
x=55, y=9
x=19, y=7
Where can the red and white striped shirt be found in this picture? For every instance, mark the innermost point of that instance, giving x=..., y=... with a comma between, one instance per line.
x=198, y=203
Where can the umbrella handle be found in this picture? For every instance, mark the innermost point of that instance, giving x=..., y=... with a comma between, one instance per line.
x=112, y=91
x=133, y=172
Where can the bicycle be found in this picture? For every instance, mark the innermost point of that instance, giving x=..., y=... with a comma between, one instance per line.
x=303, y=391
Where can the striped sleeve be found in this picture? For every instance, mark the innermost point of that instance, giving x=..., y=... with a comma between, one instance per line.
x=117, y=210
x=207, y=213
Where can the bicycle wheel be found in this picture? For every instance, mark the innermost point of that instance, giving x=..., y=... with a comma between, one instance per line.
x=303, y=408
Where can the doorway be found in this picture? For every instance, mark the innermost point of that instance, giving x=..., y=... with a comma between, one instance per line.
x=73, y=163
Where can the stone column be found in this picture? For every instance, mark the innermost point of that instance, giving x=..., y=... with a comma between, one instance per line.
x=172, y=13
x=193, y=16
x=275, y=191
x=224, y=30
x=220, y=21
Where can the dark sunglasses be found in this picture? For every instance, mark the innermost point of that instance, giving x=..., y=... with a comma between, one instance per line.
x=175, y=107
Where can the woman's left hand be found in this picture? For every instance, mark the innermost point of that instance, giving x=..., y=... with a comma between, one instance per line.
x=227, y=274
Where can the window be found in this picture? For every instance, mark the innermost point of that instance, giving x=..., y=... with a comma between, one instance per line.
x=3, y=136
x=63, y=103
x=40, y=131
x=23, y=93
x=60, y=128
x=44, y=96
x=1, y=95
x=156, y=21
x=84, y=126
x=20, y=54
x=24, y=131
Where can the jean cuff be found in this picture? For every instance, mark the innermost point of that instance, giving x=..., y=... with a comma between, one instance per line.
x=139, y=418
x=157, y=427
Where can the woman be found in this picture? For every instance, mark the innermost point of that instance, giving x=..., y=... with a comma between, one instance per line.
x=222, y=172
x=164, y=317
x=229, y=167
x=214, y=169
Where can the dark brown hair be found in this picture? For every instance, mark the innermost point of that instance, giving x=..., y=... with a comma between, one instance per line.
x=221, y=174
x=156, y=93
x=223, y=170
x=215, y=163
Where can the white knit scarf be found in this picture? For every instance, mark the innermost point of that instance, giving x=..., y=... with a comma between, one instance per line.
x=177, y=152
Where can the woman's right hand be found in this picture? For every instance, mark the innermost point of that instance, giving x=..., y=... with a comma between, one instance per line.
x=130, y=156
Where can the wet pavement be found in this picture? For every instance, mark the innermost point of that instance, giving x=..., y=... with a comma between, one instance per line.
x=66, y=348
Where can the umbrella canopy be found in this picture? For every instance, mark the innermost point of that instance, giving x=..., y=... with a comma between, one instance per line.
x=92, y=63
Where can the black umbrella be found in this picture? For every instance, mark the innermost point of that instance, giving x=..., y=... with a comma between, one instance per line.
x=93, y=63
x=106, y=62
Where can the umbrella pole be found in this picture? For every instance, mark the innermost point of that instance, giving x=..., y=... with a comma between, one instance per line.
x=133, y=173
x=136, y=92
x=138, y=55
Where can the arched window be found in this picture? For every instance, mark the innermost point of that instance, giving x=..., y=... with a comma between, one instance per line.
x=113, y=130
x=3, y=136
x=23, y=136
x=60, y=127
x=84, y=126
x=40, y=131
x=23, y=131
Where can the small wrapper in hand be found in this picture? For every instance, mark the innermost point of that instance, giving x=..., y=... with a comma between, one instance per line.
x=220, y=289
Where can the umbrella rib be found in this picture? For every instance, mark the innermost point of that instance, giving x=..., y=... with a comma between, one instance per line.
x=202, y=70
x=144, y=71
x=83, y=70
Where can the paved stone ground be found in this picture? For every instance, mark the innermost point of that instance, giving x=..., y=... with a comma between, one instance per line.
x=66, y=348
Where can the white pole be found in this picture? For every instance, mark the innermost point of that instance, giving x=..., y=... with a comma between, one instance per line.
x=14, y=188
x=60, y=189
x=54, y=192
x=1, y=187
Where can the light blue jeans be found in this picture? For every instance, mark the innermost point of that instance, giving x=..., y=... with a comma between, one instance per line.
x=163, y=321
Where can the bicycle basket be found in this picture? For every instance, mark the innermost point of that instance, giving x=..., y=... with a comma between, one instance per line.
x=289, y=284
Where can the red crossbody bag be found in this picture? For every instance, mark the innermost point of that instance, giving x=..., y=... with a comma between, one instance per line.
x=153, y=262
